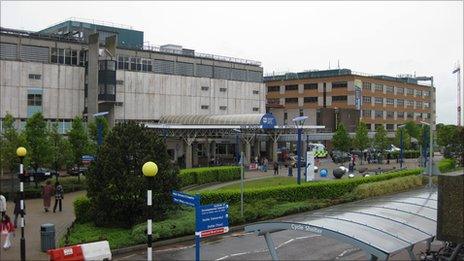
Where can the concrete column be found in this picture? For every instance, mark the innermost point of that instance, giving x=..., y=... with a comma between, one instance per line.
x=257, y=148
x=274, y=150
x=247, y=152
x=188, y=153
x=195, y=155
x=213, y=148
x=92, y=97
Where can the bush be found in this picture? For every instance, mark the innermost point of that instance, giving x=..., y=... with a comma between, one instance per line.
x=316, y=190
x=82, y=209
x=70, y=184
x=207, y=175
x=387, y=187
x=447, y=165
x=407, y=154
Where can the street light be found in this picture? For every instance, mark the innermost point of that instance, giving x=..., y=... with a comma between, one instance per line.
x=431, y=152
x=240, y=162
x=149, y=170
x=21, y=153
x=299, y=121
x=401, y=144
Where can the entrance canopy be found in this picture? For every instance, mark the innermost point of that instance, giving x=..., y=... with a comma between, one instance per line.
x=265, y=121
x=380, y=227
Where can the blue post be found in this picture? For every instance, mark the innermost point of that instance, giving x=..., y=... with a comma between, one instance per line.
x=401, y=145
x=165, y=132
x=237, y=149
x=298, y=149
x=197, y=230
x=197, y=248
x=99, y=133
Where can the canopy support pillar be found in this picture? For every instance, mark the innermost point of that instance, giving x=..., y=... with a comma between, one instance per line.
x=411, y=253
x=270, y=246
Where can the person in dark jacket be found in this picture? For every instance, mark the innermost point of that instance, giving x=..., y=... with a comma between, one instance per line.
x=58, y=196
x=17, y=209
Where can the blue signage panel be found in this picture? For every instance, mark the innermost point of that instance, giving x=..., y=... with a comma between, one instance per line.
x=268, y=121
x=212, y=216
x=184, y=199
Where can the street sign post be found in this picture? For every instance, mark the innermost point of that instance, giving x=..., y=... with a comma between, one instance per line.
x=210, y=220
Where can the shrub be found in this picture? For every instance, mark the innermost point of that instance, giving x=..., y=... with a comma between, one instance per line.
x=116, y=186
x=447, y=165
x=82, y=209
x=407, y=154
x=316, y=190
x=70, y=184
x=207, y=175
x=387, y=186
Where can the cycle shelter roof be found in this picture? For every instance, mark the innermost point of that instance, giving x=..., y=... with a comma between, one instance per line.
x=380, y=226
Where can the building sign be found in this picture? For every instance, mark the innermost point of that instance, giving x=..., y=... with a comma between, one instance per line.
x=268, y=121
x=357, y=94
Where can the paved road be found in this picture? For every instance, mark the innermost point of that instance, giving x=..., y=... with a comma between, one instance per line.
x=35, y=216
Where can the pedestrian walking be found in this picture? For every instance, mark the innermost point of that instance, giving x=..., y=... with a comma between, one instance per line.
x=17, y=209
x=58, y=196
x=265, y=164
x=47, y=192
x=2, y=205
x=7, y=231
x=276, y=168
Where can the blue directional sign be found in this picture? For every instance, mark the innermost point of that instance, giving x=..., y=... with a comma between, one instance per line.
x=212, y=216
x=184, y=199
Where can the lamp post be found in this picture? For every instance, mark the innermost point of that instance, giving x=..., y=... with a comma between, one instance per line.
x=149, y=170
x=240, y=162
x=299, y=121
x=401, y=145
x=431, y=152
x=21, y=153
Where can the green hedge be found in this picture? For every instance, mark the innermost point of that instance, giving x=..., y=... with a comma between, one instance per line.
x=82, y=209
x=447, y=165
x=315, y=190
x=407, y=154
x=196, y=176
x=69, y=184
x=387, y=187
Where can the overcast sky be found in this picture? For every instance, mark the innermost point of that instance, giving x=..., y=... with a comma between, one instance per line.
x=389, y=38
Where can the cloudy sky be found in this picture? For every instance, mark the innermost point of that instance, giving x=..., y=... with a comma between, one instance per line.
x=425, y=38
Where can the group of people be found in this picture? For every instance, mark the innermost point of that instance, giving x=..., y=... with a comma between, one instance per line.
x=7, y=226
x=264, y=165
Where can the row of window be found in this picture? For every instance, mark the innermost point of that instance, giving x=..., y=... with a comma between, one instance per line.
x=308, y=99
x=223, y=108
x=391, y=89
x=223, y=89
x=306, y=86
x=399, y=102
x=64, y=56
x=391, y=114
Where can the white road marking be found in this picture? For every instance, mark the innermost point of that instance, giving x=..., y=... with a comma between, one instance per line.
x=239, y=254
x=310, y=236
x=284, y=243
x=221, y=258
x=346, y=251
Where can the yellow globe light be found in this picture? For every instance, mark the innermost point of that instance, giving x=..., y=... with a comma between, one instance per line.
x=21, y=152
x=149, y=169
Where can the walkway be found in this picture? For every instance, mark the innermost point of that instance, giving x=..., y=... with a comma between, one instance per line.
x=35, y=216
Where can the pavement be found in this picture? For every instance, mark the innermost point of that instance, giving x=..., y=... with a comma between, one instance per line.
x=34, y=218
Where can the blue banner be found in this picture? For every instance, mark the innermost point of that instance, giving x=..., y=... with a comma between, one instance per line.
x=212, y=216
x=184, y=199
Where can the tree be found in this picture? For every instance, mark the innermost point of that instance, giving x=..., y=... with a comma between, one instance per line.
x=341, y=139
x=445, y=134
x=361, y=139
x=406, y=139
x=79, y=142
x=380, y=139
x=37, y=141
x=413, y=129
x=61, y=152
x=116, y=185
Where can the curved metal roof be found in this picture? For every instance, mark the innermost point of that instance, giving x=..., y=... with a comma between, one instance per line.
x=380, y=226
x=231, y=119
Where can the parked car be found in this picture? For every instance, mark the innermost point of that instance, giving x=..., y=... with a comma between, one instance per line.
x=340, y=156
x=74, y=171
x=392, y=148
x=39, y=175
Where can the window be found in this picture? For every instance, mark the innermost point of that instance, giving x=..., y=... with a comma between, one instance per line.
x=379, y=114
x=101, y=88
x=410, y=115
x=275, y=101
x=310, y=99
x=390, y=114
x=82, y=58
x=378, y=100
x=123, y=63
x=61, y=56
x=418, y=105
x=255, y=92
x=418, y=93
x=410, y=91
x=378, y=87
x=390, y=127
x=35, y=76
x=367, y=99
x=204, y=107
x=390, y=89
x=54, y=55
x=426, y=105
x=409, y=103
x=119, y=82
x=310, y=86
x=255, y=109
x=399, y=90
x=110, y=89
x=378, y=126
x=285, y=118
x=135, y=64
x=146, y=65
x=339, y=98
x=273, y=88
x=390, y=101
x=204, y=88
x=73, y=57
x=400, y=102
x=339, y=85
x=367, y=86
x=301, y=112
x=223, y=108
x=293, y=87
x=222, y=89
x=291, y=100
x=426, y=93
x=34, y=100
x=367, y=113
x=400, y=114
x=67, y=56
x=418, y=115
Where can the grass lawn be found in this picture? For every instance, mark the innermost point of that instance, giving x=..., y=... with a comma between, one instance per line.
x=262, y=183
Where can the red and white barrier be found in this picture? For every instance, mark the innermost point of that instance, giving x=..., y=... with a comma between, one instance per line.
x=91, y=251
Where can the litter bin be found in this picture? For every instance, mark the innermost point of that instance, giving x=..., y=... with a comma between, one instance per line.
x=47, y=237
